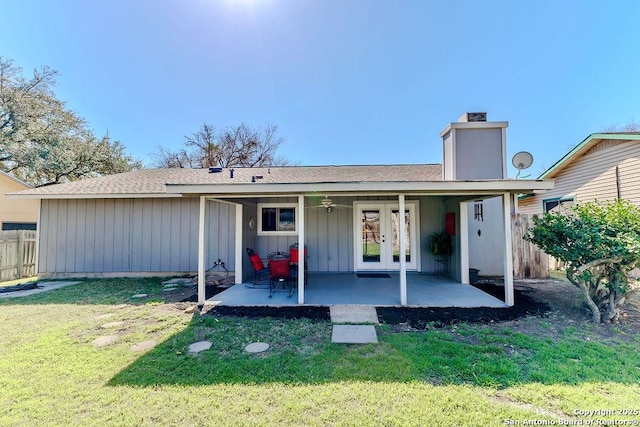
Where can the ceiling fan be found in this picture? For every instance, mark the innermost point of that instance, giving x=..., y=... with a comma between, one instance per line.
x=328, y=204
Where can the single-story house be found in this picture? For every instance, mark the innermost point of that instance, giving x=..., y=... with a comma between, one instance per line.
x=605, y=166
x=176, y=221
x=16, y=214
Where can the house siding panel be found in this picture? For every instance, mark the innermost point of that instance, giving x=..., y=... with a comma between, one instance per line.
x=593, y=177
x=431, y=221
x=129, y=235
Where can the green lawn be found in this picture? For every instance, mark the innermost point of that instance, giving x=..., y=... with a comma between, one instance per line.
x=51, y=373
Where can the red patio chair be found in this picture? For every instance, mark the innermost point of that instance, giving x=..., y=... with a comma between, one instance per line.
x=279, y=272
x=293, y=254
x=261, y=272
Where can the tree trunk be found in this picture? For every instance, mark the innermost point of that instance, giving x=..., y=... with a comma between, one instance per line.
x=595, y=310
x=612, y=314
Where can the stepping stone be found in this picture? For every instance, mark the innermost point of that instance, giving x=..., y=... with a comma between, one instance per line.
x=143, y=346
x=169, y=289
x=112, y=325
x=199, y=346
x=353, y=314
x=178, y=281
x=104, y=316
x=139, y=296
x=105, y=340
x=354, y=334
x=257, y=347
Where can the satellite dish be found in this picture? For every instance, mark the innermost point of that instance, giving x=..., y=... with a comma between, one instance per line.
x=521, y=161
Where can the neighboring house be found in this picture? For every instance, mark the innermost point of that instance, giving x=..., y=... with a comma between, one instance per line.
x=172, y=221
x=16, y=214
x=605, y=166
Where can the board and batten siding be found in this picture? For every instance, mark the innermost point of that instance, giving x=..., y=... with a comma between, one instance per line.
x=329, y=235
x=593, y=177
x=97, y=236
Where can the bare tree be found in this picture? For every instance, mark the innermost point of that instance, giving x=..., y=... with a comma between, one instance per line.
x=632, y=126
x=239, y=146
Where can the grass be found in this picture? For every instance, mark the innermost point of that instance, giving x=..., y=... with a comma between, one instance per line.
x=51, y=373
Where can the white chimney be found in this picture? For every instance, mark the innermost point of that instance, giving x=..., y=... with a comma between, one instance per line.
x=474, y=148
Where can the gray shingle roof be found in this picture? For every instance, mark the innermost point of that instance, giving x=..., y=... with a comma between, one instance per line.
x=155, y=181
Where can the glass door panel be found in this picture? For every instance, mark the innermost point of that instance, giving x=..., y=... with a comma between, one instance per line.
x=371, y=238
x=395, y=233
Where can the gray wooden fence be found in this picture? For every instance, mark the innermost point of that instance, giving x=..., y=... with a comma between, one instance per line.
x=17, y=254
x=528, y=260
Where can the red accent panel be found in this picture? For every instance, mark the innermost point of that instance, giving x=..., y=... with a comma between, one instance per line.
x=450, y=223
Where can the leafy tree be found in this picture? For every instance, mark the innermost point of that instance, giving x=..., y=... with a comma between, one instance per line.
x=42, y=141
x=239, y=146
x=600, y=244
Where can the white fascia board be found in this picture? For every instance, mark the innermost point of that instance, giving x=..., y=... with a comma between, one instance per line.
x=375, y=187
x=93, y=196
x=16, y=180
x=474, y=125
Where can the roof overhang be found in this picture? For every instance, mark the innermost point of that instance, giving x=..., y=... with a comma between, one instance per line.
x=583, y=147
x=94, y=196
x=438, y=187
x=485, y=187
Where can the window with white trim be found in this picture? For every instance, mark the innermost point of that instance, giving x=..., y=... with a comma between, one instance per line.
x=558, y=204
x=277, y=219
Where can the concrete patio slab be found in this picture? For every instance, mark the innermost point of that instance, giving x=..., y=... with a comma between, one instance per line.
x=346, y=288
x=354, y=334
x=42, y=287
x=353, y=314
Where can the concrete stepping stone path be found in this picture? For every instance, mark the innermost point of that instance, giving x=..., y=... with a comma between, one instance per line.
x=199, y=346
x=354, y=334
x=353, y=314
x=143, y=346
x=105, y=340
x=256, y=347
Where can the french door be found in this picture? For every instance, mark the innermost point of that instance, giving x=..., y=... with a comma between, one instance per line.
x=378, y=226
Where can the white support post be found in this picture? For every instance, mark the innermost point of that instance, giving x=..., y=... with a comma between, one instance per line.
x=239, y=227
x=201, y=251
x=464, y=242
x=301, y=260
x=508, y=251
x=403, y=257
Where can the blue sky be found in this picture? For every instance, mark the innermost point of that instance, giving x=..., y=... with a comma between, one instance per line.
x=345, y=81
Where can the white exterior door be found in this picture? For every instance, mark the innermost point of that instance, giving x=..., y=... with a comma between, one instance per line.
x=378, y=226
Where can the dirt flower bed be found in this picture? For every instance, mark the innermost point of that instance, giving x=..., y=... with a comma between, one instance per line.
x=542, y=308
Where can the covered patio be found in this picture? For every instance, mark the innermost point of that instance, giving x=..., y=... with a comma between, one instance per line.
x=329, y=289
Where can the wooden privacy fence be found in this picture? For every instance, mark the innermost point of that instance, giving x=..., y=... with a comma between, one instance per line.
x=528, y=260
x=17, y=254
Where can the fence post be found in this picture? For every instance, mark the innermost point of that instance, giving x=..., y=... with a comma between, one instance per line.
x=20, y=254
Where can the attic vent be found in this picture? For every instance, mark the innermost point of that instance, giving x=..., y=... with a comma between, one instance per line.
x=215, y=170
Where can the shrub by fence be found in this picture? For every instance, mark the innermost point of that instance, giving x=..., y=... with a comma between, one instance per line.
x=17, y=254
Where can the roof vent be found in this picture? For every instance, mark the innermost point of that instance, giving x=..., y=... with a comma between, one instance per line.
x=215, y=170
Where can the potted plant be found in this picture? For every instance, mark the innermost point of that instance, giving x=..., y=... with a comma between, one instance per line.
x=440, y=245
